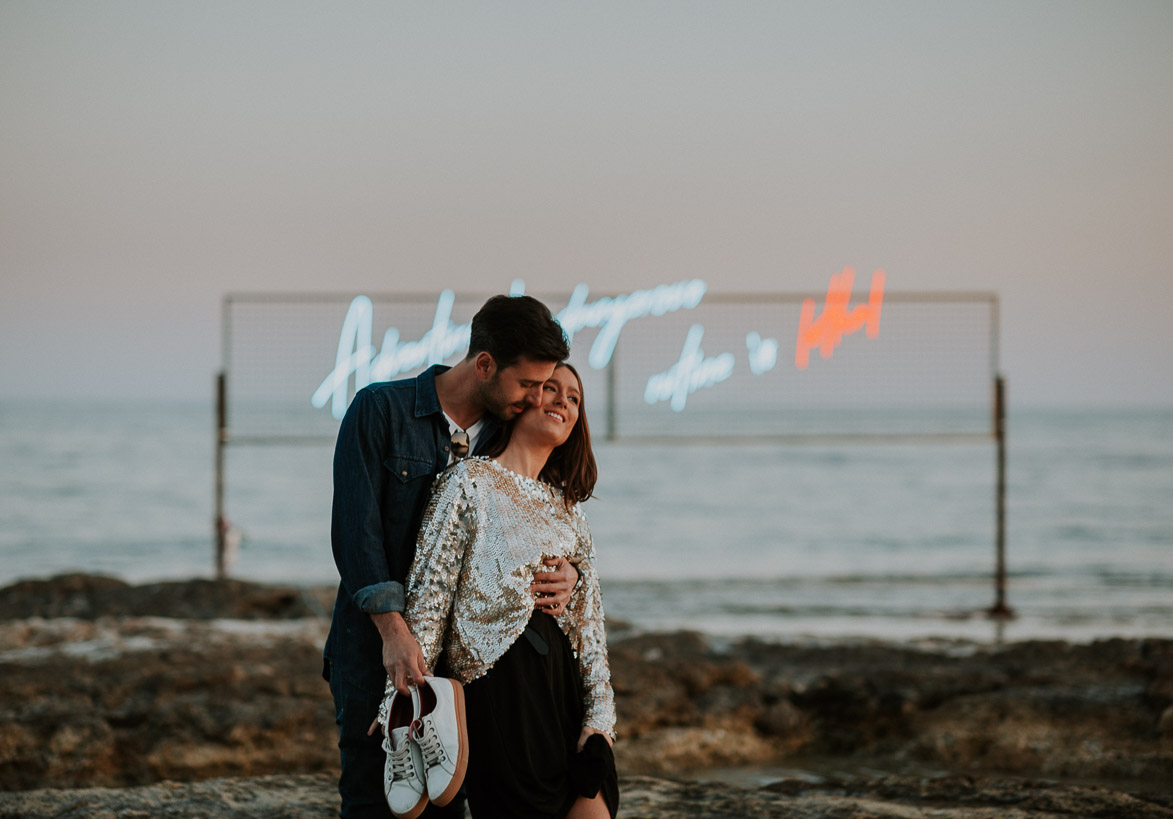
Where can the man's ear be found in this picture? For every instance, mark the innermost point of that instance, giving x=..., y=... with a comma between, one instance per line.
x=484, y=365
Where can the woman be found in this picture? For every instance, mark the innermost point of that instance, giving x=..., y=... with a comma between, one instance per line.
x=539, y=703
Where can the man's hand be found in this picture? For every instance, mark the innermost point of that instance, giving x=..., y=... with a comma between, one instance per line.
x=402, y=656
x=551, y=589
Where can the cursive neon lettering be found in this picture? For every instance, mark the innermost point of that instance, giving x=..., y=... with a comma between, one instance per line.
x=353, y=357
x=827, y=331
x=441, y=342
x=692, y=372
x=763, y=353
x=612, y=313
x=357, y=356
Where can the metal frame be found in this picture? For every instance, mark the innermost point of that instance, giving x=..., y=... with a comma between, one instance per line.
x=999, y=610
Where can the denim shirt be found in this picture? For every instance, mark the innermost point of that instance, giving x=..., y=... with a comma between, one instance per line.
x=392, y=443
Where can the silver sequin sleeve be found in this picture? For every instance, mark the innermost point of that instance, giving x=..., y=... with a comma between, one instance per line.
x=583, y=624
x=449, y=525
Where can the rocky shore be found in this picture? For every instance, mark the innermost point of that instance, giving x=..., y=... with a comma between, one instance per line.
x=205, y=699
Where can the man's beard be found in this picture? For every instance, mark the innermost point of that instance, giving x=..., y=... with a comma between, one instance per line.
x=495, y=402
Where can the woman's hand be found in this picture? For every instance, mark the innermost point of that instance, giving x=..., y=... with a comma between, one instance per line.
x=551, y=589
x=585, y=735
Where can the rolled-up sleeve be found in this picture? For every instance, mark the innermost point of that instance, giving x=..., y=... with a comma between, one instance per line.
x=356, y=523
x=380, y=597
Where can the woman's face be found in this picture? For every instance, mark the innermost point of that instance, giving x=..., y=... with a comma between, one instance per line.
x=553, y=419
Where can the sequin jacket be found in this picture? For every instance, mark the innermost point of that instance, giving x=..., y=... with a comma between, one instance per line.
x=484, y=535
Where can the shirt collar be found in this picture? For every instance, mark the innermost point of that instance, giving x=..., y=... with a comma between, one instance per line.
x=426, y=400
x=428, y=403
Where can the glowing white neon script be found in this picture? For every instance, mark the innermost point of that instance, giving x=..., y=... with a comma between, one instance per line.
x=612, y=313
x=352, y=357
x=357, y=355
x=763, y=353
x=692, y=372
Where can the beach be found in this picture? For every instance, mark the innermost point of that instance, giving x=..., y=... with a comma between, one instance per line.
x=869, y=305
x=205, y=698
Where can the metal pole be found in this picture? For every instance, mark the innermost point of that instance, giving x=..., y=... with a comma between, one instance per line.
x=220, y=523
x=1000, y=609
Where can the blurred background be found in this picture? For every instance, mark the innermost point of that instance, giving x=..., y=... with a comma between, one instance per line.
x=157, y=156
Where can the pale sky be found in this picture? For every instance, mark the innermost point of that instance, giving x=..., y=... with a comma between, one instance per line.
x=157, y=155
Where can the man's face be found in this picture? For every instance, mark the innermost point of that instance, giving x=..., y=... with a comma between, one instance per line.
x=507, y=392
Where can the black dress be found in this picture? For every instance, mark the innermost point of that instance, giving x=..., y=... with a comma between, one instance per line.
x=524, y=719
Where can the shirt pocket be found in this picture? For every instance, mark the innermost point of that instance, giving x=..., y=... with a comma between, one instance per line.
x=409, y=479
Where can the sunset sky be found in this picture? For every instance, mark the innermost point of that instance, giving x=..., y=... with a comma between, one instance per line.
x=156, y=155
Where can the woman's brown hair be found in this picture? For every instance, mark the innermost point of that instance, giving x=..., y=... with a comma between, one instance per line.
x=571, y=465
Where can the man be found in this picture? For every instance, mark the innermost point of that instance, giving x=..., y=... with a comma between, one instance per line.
x=395, y=438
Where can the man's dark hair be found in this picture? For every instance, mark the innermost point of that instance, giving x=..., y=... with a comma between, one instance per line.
x=510, y=327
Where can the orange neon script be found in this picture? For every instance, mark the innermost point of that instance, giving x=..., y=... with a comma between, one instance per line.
x=828, y=330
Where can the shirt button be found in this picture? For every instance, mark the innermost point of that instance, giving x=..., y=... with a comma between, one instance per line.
x=404, y=473
x=445, y=449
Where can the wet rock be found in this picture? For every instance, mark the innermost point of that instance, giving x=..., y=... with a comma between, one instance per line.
x=1165, y=725
x=197, y=703
x=783, y=719
x=105, y=698
x=641, y=797
x=88, y=597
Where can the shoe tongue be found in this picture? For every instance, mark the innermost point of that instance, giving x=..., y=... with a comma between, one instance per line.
x=427, y=700
x=398, y=737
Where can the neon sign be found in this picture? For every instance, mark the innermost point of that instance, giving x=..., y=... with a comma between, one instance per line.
x=827, y=331
x=612, y=314
x=763, y=353
x=692, y=372
x=356, y=354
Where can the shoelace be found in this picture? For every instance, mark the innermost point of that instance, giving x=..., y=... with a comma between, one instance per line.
x=402, y=765
x=425, y=737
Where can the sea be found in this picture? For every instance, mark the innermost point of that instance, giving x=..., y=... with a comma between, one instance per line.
x=781, y=541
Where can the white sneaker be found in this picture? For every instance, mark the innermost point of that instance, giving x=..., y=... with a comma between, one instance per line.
x=403, y=772
x=442, y=737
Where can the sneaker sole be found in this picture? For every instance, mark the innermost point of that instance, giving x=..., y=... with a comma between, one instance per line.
x=462, y=758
